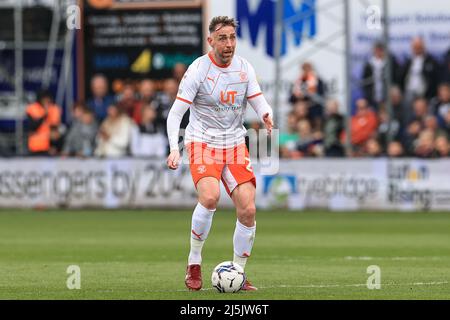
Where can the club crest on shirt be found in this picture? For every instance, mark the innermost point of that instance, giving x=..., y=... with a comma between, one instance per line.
x=243, y=76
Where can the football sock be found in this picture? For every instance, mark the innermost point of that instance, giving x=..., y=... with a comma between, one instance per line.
x=201, y=224
x=243, y=242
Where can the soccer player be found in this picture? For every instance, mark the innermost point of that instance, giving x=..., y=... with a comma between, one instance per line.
x=216, y=88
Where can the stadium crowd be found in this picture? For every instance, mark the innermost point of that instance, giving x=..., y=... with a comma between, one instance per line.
x=418, y=124
x=133, y=121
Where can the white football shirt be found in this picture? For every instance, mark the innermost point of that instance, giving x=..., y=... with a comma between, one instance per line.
x=218, y=96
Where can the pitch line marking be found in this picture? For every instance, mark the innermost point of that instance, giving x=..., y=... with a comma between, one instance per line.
x=434, y=283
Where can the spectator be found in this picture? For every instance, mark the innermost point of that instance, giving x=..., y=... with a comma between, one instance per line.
x=373, y=148
x=442, y=147
x=445, y=77
x=147, y=94
x=440, y=104
x=447, y=123
x=411, y=135
x=424, y=146
x=309, y=143
x=164, y=102
x=374, y=81
x=420, y=111
x=395, y=149
x=363, y=124
x=127, y=101
x=179, y=69
x=431, y=123
x=147, y=91
x=421, y=72
x=100, y=99
x=289, y=139
x=146, y=141
x=113, y=138
x=308, y=85
x=56, y=141
x=398, y=107
x=42, y=115
x=301, y=108
x=80, y=140
x=333, y=127
x=77, y=111
x=416, y=124
x=388, y=128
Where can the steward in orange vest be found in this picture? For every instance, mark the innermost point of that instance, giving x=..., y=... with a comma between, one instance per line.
x=41, y=116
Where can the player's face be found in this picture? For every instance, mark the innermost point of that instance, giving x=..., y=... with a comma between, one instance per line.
x=223, y=43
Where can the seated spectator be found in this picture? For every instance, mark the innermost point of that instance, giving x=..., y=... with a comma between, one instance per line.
x=310, y=142
x=164, y=102
x=399, y=107
x=289, y=139
x=424, y=146
x=440, y=105
x=373, y=148
x=333, y=127
x=387, y=130
x=147, y=94
x=419, y=110
x=411, y=135
x=56, y=141
x=127, y=101
x=80, y=140
x=447, y=123
x=442, y=147
x=113, y=138
x=77, y=111
x=179, y=69
x=374, y=75
x=301, y=109
x=146, y=141
x=100, y=98
x=431, y=123
x=42, y=115
x=147, y=91
x=395, y=150
x=363, y=124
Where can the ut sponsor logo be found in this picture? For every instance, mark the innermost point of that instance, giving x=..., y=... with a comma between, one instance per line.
x=299, y=20
x=228, y=97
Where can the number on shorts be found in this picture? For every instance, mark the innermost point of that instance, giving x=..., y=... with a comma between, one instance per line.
x=249, y=165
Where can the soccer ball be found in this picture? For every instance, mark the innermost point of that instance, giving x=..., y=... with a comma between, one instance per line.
x=228, y=277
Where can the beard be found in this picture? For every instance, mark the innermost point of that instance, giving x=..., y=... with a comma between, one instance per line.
x=227, y=56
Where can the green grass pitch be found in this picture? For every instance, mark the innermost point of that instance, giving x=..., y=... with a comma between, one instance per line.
x=297, y=255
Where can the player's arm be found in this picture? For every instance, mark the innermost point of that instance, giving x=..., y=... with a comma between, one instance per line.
x=174, y=118
x=186, y=94
x=263, y=110
x=257, y=101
